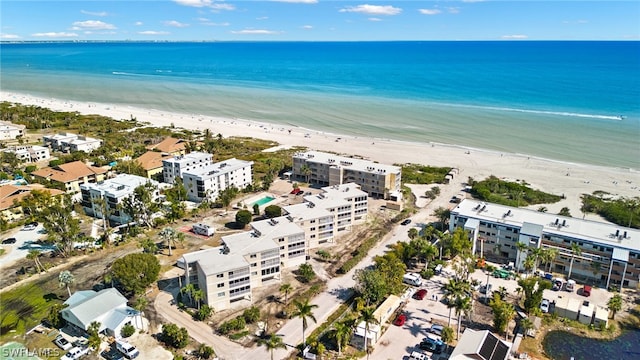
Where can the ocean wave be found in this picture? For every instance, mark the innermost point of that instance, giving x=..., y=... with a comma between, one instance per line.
x=541, y=112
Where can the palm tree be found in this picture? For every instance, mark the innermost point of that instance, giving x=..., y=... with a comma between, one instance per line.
x=304, y=310
x=367, y=316
x=286, y=288
x=462, y=304
x=453, y=290
x=536, y=255
x=306, y=171
x=526, y=324
x=35, y=256
x=447, y=335
x=170, y=235
x=272, y=342
x=547, y=257
x=66, y=278
x=615, y=304
x=341, y=333
x=198, y=295
x=521, y=247
x=188, y=289
x=575, y=251
x=443, y=215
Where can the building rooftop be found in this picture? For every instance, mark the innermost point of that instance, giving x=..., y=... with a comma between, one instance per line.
x=152, y=159
x=121, y=185
x=480, y=345
x=10, y=194
x=218, y=168
x=598, y=232
x=306, y=211
x=89, y=305
x=169, y=145
x=68, y=172
x=190, y=157
x=275, y=228
x=214, y=261
x=347, y=162
x=336, y=195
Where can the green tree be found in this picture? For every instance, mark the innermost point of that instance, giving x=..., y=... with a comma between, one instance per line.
x=371, y=285
x=272, y=211
x=286, y=288
x=304, y=311
x=94, y=335
x=453, y=290
x=503, y=312
x=171, y=236
x=305, y=170
x=272, y=342
x=141, y=205
x=127, y=330
x=66, y=278
x=393, y=270
x=251, y=315
x=148, y=245
x=205, y=351
x=447, y=335
x=565, y=212
x=547, y=256
x=306, y=272
x=341, y=334
x=63, y=229
x=34, y=255
x=174, y=336
x=226, y=196
x=575, y=251
x=243, y=217
x=203, y=313
x=443, y=215
x=615, y=304
x=412, y=233
x=462, y=304
x=136, y=271
x=526, y=324
x=256, y=209
x=55, y=316
x=366, y=315
x=533, y=288
x=198, y=296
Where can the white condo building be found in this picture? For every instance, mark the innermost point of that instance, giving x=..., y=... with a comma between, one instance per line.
x=112, y=192
x=207, y=181
x=325, y=169
x=227, y=274
x=175, y=167
x=9, y=131
x=29, y=153
x=67, y=142
x=610, y=254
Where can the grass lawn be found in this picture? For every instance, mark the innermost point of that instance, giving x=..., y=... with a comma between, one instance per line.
x=24, y=307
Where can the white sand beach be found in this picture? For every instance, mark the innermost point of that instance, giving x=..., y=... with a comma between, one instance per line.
x=556, y=177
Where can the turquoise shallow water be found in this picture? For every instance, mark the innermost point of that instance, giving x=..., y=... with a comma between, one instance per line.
x=569, y=101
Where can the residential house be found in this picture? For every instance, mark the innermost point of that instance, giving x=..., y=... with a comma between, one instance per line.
x=206, y=182
x=325, y=169
x=72, y=175
x=9, y=131
x=29, y=153
x=68, y=142
x=151, y=162
x=176, y=166
x=107, y=307
x=11, y=195
x=480, y=345
x=170, y=146
x=497, y=229
x=111, y=193
x=382, y=314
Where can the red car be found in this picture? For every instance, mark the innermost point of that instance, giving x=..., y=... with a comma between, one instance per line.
x=295, y=191
x=420, y=294
x=400, y=320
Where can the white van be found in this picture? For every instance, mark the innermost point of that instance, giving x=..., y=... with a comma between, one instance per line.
x=571, y=284
x=412, y=279
x=128, y=350
x=203, y=229
x=438, y=269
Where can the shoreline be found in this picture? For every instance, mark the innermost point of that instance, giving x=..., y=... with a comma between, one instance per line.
x=555, y=176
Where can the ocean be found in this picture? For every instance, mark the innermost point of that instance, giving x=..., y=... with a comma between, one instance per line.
x=562, y=100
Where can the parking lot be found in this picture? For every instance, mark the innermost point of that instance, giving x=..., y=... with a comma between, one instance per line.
x=25, y=241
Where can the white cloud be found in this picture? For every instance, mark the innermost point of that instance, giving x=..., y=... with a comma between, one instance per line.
x=92, y=25
x=151, y=32
x=256, y=32
x=55, y=34
x=429, y=11
x=100, y=32
x=9, y=36
x=138, y=23
x=94, y=13
x=514, y=37
x=208, y=22
x=174, y=23
x=374, y=19
x=262, y=18
x=206, y=4
x=307, y=27
x=373, y=9
x=453, y=10
x=298, y=1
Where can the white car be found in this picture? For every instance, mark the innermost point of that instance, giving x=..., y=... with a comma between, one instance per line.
x=544, y=306
x=76, y=353
x=62, y=343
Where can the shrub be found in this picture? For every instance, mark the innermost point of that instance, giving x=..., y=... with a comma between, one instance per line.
x=272, y=211
x=203, y=313
x=251, y=315
x=243, y=217
x=127, y=330
x=174, y=336
x=232, y=325
x=205, y=351
x=306, y=273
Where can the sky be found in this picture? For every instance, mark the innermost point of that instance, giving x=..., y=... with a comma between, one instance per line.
x=318, y=20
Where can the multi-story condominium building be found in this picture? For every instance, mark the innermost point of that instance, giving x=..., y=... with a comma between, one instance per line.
x=67, y=142
x=29, y=153
x=174, y=167
x=247, y=260
x=207, y=181
x=109, y=194
x=336, y=209
x=72, y=175
x=9, y=131
x=320, y=168
x=609, y=254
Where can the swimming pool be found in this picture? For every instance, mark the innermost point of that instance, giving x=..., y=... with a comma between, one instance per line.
x=263, y=201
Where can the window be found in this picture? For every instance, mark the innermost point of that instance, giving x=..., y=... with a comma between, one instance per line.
x=253, y=256
x=220, y=275
x=221, y=285
x=221, y=294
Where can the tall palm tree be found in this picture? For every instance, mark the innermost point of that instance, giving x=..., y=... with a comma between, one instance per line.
x=443, y=214
x=171, y=236
x=452, y=290
x=547, y=256
x=286, y=289
x=272, y=342
x=462, y=304
x=575, y=251
x=35, y=256
x=341, y=333
x=367, y=316
x=198, y=295
x=306, y=171
x=66, y=278
x=521, y=247
x=304, y=310
x=536, y=255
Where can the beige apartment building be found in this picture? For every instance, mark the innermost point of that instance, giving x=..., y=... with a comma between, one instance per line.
x=610, y=254
x=325, y=169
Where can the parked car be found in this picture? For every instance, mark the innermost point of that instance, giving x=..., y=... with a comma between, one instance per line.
x=62, y=343
x=406, y=222
x=586, y=291
x=9, y=241
x=29, y=227
x=571, y=284
x=416, y=355
x=502, y=274
x=436, y=329
x=112, y=354
x=544, y=306
x=76, y=353
x=557, y=285
x=420, y=294
x=432, y=344
x=129, y=351
x=485, y=289
x=400, y=320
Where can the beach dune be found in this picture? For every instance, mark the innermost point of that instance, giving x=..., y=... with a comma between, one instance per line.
x=561, y=178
